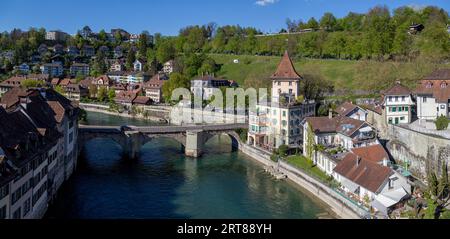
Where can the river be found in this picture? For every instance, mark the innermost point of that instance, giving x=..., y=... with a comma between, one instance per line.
x=163, y=183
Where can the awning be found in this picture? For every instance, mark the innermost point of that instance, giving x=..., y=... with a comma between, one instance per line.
x=388, y=199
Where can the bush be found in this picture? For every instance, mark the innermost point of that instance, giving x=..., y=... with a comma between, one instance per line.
x=282, y=150
x=442, y=123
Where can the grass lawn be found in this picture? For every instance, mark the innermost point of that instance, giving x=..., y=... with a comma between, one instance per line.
x=307, y=165
x=348, y=77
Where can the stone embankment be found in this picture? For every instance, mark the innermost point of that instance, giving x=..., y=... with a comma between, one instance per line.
x=337, y=202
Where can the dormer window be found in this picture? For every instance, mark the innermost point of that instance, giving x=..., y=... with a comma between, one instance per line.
x=444, y=85
x=429, y=85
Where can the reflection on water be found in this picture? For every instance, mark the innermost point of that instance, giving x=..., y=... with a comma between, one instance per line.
x=164, y=183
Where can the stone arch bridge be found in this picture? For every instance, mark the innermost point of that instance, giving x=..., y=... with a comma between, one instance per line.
x=132, y=138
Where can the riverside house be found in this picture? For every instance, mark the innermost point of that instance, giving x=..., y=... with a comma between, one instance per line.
x=365, y=175
x=328, y=139
x=398, y=104
x=38, y=142
x=279, y=122
x=433, y=95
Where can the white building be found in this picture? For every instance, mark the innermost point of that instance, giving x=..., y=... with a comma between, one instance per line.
x=168, y=67
x=279, y=122
x=398, y=105
x=56, y=36
x=138, y=66
x=433, y=95
x=350, y=110
x=365, y=173
x=327, y=139
x=205, y=86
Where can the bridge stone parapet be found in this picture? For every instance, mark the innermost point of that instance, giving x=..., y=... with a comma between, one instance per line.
x=131, y=139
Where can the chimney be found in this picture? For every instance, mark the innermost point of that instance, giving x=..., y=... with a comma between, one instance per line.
x=330, y=114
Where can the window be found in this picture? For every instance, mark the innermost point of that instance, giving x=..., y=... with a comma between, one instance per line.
x=390, y=98
x=26, y=207
x=17, y=213
x=284, y=113
x=3, y=212
x=390, y=120
x=444, y=85
x=290, y=83
x=279, y=83
x=394, y=109
x=290, y=91
x=396, y=99
x=403, y=98
x=4, y=191
x=424, y=99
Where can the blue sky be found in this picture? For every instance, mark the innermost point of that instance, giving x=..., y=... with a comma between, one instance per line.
x=168, y=16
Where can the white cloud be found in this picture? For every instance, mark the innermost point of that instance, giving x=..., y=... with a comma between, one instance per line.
x=265, y=2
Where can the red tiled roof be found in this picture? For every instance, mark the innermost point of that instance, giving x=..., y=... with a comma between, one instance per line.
x=286, y=69
x=142, y=100
x=442, y=74
x=58, y=109
x=375, y=153
x=366, y=173
x=345, y=108
x=397, y=89
x=437, y=85
x=335, y=125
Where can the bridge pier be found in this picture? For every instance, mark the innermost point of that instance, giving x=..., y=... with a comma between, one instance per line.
x=194, y=143
x=133, y=145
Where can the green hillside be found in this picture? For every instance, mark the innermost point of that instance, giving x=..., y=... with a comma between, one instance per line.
x=349, y=77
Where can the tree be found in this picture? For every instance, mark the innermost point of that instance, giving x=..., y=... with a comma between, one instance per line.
x=165, y=51
x=99, y=66
x=59, y=89
x=378, y=32
x=131, y=58
x=328, y=22
x=93, y=91
x=282, y=150
x=402, y=40
x=313, y=24
x=102, y=36
x=143, y=44
x=102, y=94
x=29, y=83
x=292, y=25
x=111, y=95
x=175, y=81
x=82, y=116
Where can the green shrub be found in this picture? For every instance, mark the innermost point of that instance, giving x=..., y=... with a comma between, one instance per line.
x=442, y=123
x=282, y=150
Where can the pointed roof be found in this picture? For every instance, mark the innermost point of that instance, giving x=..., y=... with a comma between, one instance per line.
x=286, y=69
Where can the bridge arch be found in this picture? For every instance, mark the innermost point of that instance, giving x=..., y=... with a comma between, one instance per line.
x=234, y=137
